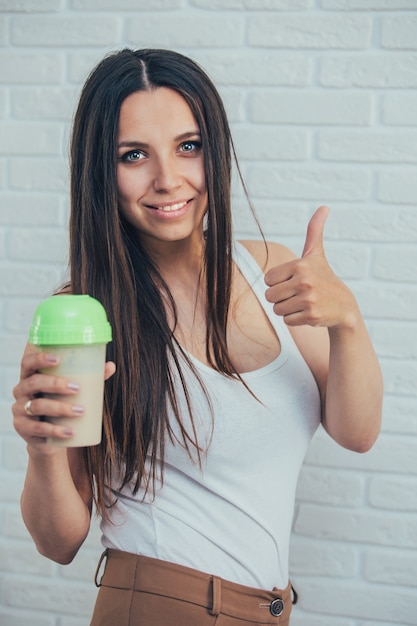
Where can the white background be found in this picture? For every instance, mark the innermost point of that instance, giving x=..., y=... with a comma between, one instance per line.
x=322, y=100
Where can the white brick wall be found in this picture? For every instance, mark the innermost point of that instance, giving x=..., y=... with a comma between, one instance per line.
x=323, y=103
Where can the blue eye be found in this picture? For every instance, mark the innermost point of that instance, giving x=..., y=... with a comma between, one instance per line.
x=190, y=146
x=132, y=157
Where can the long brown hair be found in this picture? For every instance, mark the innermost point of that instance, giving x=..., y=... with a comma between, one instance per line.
x=107, y=261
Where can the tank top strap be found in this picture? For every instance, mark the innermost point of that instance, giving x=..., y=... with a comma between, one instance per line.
x=254, y=275
x=249, y=269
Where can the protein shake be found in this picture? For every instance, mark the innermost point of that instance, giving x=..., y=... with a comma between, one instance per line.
x=76, y=329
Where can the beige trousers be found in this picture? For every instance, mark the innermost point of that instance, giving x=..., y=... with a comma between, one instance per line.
x=141, y=591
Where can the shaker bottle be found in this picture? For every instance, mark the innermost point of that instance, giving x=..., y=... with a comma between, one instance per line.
x=75, y=328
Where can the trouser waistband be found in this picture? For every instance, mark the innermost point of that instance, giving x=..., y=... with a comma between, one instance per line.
x=124, y=570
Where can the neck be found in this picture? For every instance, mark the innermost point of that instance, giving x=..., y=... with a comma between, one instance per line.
x=179, y=261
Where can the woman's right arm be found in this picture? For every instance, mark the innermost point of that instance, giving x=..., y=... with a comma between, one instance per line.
x=56, y=500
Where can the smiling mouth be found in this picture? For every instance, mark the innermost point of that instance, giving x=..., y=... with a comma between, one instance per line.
x=167, y=208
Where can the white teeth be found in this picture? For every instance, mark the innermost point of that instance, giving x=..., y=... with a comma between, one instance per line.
x=172, y=207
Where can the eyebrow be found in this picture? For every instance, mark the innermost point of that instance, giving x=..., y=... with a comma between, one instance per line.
x=133, y=143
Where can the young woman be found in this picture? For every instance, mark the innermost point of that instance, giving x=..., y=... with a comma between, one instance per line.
x=226, y=356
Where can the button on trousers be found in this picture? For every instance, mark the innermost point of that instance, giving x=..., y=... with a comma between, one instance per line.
x=137, y=590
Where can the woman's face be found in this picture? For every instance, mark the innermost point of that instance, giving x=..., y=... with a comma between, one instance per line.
x=160, y=167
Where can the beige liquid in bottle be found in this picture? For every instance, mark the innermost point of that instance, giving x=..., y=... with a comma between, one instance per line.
x=83, y=365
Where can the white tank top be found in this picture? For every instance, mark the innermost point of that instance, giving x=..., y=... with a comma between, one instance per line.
x=232, y=515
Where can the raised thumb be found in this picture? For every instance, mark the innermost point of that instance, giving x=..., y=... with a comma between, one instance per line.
x=314, y=237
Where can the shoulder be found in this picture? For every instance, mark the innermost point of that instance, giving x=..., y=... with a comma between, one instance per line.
x=267, y=253
x=313, y=343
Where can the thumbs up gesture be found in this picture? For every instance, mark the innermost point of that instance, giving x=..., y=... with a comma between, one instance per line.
x=306, y=291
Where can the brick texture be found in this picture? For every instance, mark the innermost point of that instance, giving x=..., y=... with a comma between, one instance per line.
x=322, y=98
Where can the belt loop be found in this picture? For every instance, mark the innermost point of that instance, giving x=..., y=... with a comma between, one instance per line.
x=294, y=595
x=216, y=603
x=103, y=556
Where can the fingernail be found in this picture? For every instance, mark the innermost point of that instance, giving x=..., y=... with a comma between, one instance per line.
x=73, y=386
x=68, y=432
x=77, y=408
x=51, y=358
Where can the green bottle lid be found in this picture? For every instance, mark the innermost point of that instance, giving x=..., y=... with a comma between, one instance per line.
x=69, y=319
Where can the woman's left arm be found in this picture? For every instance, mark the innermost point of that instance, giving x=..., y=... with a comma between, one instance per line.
x=327, y=325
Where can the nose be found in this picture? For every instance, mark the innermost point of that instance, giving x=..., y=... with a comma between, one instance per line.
x=167, y=175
